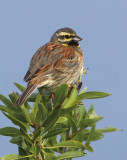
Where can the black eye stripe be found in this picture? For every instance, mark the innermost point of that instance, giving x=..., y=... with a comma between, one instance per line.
x=66, y=36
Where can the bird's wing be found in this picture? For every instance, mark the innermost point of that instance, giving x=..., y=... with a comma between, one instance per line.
x=46, y=58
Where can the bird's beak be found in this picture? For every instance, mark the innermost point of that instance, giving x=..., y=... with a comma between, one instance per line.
x=77, y=38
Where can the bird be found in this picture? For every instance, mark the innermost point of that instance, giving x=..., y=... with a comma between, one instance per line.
x=57, y=62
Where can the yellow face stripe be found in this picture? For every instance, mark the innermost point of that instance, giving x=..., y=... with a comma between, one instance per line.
x=65, y=44
x=65, y=33
x=64, y=40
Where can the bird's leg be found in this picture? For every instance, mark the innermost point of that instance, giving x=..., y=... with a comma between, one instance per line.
x=79, y=86
x=78, y=81
x=70, y=89
x=52, y=96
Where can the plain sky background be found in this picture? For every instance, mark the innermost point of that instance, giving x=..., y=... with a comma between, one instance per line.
x=25, y=25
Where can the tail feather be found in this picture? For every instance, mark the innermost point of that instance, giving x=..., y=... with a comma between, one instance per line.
x=29, y=90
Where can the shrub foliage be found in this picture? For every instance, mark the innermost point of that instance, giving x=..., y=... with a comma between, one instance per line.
x=55, y=129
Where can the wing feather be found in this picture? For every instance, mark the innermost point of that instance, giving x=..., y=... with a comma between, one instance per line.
x=46, y=58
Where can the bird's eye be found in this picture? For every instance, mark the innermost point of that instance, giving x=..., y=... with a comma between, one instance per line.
x=67, y=36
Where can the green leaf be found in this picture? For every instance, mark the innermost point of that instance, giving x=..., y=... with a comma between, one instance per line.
x=92, y=131
x=26, y=137
x=72, y=100
x=108, y=129
x=89, y=122
x=68, y=110
x=35, y=108
x=17, y=122
x=69, y=143
x=79, y=136
x=55, y=132
x=20, y=87
x=49, y=156
x=22, y=152
x=84, y=90
x=71, y=154
x=3, y=108
x=33, y=97
x=13, y=97
x=92, y=95
x=51, y=119
x=7, y=102
x=72, y=123
x=62, y=120
x=26, y=105
x=25, y=112
x=38, y=132
x=80, y=114
x=36, y=149
x=16, y=140
x=90, y=111
x=9, y=131
x=96, y=136
x=38, y=119
x=41, y=113
x=14, y=157
x=25, y=145
x=60, y=94
x=89, y=148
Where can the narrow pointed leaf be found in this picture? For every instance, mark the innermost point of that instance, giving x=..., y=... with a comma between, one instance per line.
x=60, y=94
x=22, y=152
x=69, y=143
x=79, y=136
x=43, y=111
x=92, y=95
x=26, y=114
x=7, y=102
x=35, y=108
x=38, y=132
x=96, y=136
x=84, y=90
x=68, y=110
x=90, y=111
x=80, y=113
x=109, y=129
x=9, y=131
x=35, y=149
x=3, y=108
x=51, y=119
x=33, y=97
x=72, y=123
x=16, y=140
x=62, y=120
x=89, y=148
x=71, y=154
x=14, y=157
x=72, y=100
x=20, y=87
x=55, y=132
x=13, y=97
x=17, y=122
x=90, y=122
x=50, y=156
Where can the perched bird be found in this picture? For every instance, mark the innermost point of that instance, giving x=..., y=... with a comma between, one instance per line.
x=57, y=62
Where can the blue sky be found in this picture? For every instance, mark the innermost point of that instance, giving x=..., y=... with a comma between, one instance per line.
x=27, y=25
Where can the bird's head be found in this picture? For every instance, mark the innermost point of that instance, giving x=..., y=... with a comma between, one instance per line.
x=66, y=37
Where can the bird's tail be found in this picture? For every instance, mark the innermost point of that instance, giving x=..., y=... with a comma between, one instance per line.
x=29, y=90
